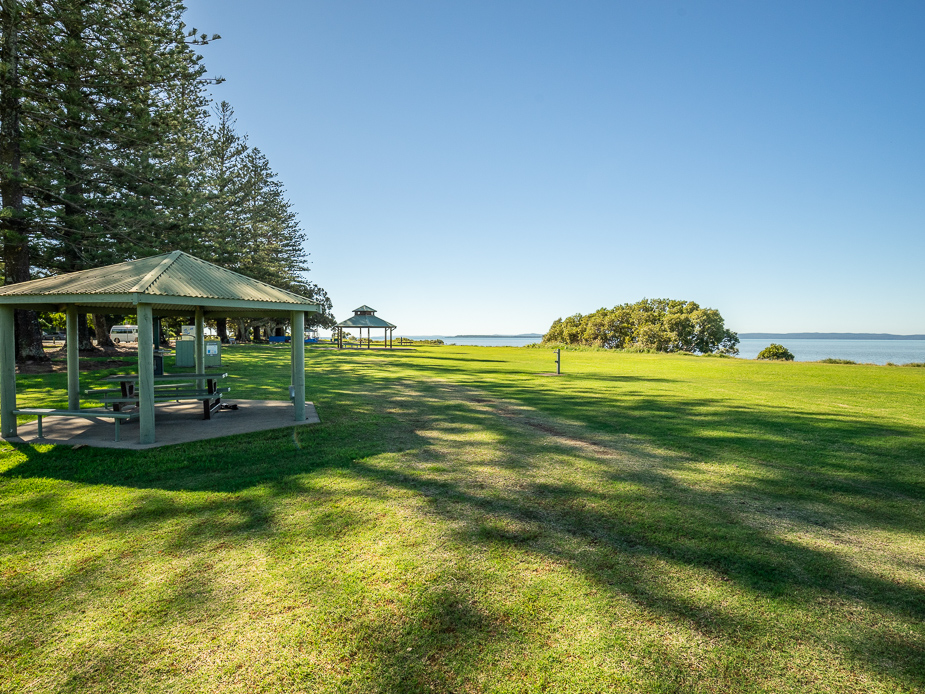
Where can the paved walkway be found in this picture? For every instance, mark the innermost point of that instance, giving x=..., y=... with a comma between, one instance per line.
x=174, y=423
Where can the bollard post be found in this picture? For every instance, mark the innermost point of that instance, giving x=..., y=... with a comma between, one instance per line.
x=558, y=362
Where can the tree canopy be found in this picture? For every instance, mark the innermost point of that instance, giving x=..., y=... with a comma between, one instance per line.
x=109, y=152
x=662, y=325
x=776, y=352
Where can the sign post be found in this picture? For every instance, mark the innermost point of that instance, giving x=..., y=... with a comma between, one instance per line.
x=558, y=362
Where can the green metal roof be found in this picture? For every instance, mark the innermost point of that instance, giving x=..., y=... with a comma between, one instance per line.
x=364, y=322
x=364, y=307
x=172, y=282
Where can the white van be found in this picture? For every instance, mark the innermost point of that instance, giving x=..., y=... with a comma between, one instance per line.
x=124, y=333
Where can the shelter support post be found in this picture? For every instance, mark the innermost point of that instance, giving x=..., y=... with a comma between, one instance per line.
x=73, y=359
x=146, y=373
x=293, y=341
x=298, y=365
x=200, y=344
x=7, y=372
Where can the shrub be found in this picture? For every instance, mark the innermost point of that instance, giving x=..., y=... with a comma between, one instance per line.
x=776, y=352
x=830, y=360
x=915, y=363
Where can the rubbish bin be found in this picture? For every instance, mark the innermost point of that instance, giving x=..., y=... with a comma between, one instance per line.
x=213, y=353
x=186, y=354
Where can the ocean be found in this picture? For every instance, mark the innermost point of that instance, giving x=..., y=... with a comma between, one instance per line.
x=861, y=351
x=480, y=340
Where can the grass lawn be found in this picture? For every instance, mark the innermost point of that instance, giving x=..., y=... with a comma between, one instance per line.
x=461, y=522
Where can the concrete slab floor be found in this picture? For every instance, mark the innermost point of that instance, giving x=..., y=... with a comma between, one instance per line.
x=174, y=423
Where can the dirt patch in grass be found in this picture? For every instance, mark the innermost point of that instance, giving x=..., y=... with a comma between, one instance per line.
x=89, y=361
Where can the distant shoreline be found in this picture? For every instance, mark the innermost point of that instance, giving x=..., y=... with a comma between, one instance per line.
x=828, y=336
x=520, y=335
x=759, y=336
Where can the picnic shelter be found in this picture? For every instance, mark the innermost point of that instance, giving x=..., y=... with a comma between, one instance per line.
x=172, y=284
x=365, y=317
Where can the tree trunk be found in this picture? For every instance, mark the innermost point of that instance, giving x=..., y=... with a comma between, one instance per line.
x=162, y=335
x=221, y=326
x=241, y=330
x=29, y=337
x=84, y=341
x=101, y=326
x=13, y=226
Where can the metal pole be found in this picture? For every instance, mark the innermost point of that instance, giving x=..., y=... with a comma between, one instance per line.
x=298, y=366
x=7, y=372
x=200, y=345
x=73, y=359
x=145, y=373
x=558, y=362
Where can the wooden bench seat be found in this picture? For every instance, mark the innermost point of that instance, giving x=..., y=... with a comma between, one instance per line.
x=86, y=414
x=157, y=386
x=102, y=391
x=181, y=393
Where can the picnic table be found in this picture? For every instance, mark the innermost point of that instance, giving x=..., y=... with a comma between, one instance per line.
x=169, y=388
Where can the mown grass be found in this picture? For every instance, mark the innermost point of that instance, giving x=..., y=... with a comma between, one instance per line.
x=462, y=522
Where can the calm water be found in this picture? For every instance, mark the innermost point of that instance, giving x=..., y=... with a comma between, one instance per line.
x=862, y=351
x=481, y=341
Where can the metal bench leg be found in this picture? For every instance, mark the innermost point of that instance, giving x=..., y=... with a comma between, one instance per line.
x=41, y=436
x=117, y=430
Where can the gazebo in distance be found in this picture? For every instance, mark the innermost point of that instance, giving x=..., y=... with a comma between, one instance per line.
x=365, y=317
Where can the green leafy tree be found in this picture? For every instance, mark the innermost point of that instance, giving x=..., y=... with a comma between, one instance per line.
x=663, y=325
x=106, y=153
x=776, y=352
x=92, y=117
x=15, y=227
x=252, y=227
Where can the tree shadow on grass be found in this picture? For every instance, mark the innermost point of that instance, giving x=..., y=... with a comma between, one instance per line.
x=622, y=545
x=802, y=472
x=628, y=506
x=458, y=359
x=467, y=374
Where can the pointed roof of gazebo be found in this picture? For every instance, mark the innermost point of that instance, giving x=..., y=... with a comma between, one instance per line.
x=364, y=317
x=171, y=282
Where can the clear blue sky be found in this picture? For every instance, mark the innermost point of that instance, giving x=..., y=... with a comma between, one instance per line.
x=486, y=167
